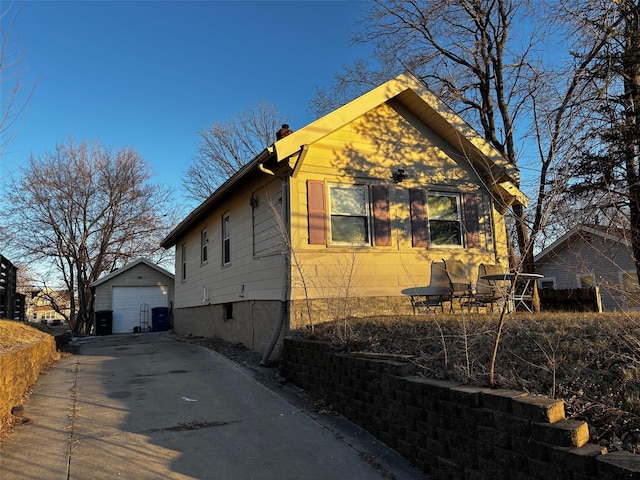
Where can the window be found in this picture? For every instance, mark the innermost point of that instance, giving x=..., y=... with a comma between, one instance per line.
x=586, y=280
x=204, y=242
x=443, y=212
x=631, y=289
x=349, y=212
x=226, y=237
x=548, y=283
x=184, y=261
x=227, y=311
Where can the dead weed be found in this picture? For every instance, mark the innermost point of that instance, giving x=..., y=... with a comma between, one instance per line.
x=591, y=361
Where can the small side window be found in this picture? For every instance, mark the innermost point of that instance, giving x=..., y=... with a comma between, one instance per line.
x=204, y=246
x=184, y=261
x=226, y=240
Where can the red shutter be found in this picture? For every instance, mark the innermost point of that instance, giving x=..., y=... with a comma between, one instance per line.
x=381, y=217
x=471, y=219
x=418, y=200
x=316, y=212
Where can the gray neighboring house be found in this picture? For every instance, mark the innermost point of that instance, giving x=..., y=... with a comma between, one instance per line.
x=131, y=290
x=593, y=255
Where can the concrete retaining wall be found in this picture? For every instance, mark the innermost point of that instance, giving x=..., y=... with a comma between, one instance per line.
x=19, y=370
x=450, y=430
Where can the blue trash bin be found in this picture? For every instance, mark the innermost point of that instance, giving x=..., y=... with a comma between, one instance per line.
x=160, y=319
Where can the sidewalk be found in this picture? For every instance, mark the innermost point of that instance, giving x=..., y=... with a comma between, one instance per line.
x=149, y=407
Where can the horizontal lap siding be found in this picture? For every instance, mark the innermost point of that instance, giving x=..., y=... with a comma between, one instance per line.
x=604, y=259
x=365, y=152
x=267, y=232
x=261, y=277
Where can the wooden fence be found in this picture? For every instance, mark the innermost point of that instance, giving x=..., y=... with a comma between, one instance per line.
x=571, y=300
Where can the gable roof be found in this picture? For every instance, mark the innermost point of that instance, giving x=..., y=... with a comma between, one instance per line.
x=413, y=95
x=129, y=266
x=613, y=234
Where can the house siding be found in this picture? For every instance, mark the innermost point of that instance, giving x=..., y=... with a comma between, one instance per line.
x=595, y=255
x=251, y=282
x=365, y=152
x=361, y=143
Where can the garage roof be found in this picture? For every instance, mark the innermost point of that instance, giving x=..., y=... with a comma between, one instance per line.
x=129, y=266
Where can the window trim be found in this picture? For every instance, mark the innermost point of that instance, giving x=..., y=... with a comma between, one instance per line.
x=580, y=276
x=552, y=280
x=204, y=246
x=429, y=218
x=184, y=262
x=226, y=239
x=367, y=215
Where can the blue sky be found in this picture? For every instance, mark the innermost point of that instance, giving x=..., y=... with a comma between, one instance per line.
x=151, y=74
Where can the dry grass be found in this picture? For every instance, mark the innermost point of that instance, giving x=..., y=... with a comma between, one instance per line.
x=591, y=361
x=16, y=334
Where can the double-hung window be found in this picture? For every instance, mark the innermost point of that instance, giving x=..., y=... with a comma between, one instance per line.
x=204, y=246
x=184, y=261
x=349, y=215
x=445, y=220
x=226, y=240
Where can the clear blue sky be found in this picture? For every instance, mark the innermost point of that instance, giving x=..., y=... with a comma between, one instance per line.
x=151, y=74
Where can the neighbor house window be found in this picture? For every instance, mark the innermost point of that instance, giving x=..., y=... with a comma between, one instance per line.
x=445, y=222
x=184, y=261
x=586, y=281
x=349, y=213
x=204, y=244
x=548, y=283
x=226, y=239
x=631, y=289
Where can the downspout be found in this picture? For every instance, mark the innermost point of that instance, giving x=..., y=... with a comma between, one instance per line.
x=284, y=294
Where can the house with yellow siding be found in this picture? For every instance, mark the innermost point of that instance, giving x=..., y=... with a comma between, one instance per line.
x=335, y=219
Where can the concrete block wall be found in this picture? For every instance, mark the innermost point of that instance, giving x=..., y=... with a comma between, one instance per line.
x=19, y=370
x=450, y=430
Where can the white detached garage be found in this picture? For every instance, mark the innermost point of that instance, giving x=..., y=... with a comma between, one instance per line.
x=132, y=292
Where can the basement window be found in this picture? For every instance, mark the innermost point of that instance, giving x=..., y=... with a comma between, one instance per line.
x=227, y=311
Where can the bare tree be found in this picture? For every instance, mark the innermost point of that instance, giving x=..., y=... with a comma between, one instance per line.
x=224, y=148
x=610, y=162
x=86, y=210
x=14, y=98
x=470, y=54
x=486, y=59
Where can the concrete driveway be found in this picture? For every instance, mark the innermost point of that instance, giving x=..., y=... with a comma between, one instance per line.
x=149, y=406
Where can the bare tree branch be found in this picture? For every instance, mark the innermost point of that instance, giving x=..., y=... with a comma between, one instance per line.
x=87, y=210
x=225, y=147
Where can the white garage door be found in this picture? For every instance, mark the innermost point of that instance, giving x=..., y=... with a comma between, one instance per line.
x=127, y=302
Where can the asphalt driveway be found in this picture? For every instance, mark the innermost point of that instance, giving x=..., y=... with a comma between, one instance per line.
x=150, y=406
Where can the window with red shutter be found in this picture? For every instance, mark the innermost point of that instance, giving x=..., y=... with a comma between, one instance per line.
x=349, y=214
